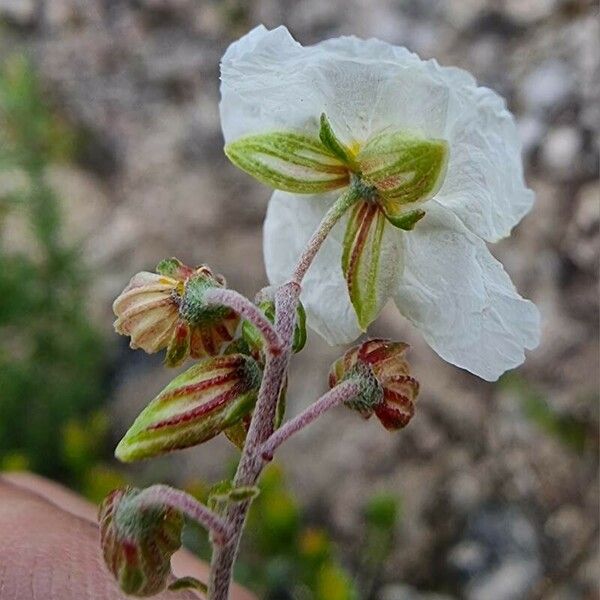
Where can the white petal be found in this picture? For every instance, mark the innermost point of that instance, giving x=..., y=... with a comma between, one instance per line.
x=270, y=82
x=462, y=300
x=290, y=222
x=484, y=184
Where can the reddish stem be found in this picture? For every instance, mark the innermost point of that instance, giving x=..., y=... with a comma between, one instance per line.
x=343, y=392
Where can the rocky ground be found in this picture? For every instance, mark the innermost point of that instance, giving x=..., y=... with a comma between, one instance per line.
x=495, y=506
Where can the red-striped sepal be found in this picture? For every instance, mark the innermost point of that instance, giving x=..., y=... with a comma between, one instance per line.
x=385, y=361
x=138, y=541
x=212, y=396
x=370, y=261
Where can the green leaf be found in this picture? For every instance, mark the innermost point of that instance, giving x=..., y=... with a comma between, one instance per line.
x=218, y=494
x=368, y=273
x=404, y=170
x=196, y=406
x=300, y=329
x=289, y=161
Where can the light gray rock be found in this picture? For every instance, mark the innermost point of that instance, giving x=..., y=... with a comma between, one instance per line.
x=512, y=580
x=407, y=592
x=548, y=87
x=498, y=557
x=561, y=151
x=18, y=12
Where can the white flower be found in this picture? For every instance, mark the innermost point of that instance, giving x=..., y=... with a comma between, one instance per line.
x=438, y=270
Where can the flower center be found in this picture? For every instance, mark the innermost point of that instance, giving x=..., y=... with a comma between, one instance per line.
x=366, y=191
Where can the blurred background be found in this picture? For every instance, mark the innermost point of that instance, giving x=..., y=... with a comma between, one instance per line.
x=111, y=159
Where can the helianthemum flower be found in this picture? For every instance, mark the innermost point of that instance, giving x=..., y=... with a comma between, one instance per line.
x=165, y=310
x=427, y=165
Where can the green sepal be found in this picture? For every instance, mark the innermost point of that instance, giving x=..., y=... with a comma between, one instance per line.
x=361, y=260
x=333, y=144
x=288, y=161
x=188, y=583
x=403, y=169
x=173, y=267
x=406, y=221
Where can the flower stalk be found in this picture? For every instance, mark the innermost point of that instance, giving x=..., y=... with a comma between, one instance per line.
x=261, y=427
x=164, y=495
x=333, y=215
x=245, y=309
x=344, y=392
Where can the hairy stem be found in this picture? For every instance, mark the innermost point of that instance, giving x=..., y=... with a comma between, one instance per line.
x=161, y=495
x=343, y=392
x=333, y=215
x=262, y=424
x=261, y=427
x=249, y=311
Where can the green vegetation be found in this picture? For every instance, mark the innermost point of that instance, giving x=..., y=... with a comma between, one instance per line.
x=51, y=358
x=285, y=557
x=570, y=431
x=52, y=367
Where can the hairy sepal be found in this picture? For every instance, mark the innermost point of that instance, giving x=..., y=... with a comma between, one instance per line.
x=405, y=171
x=138, y=542
x=385, y=361
x=212, y=396
x=370, y=262
x=290, y=162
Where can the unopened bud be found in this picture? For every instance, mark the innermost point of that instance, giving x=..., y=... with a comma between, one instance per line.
x=138, y=541
x=212, y=396
x=389, y=390
x=165, y=310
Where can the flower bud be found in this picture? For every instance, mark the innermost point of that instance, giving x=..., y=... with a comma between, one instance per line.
x=138, y=541
x=389, y=391
x=212, y=396
x=165, y=310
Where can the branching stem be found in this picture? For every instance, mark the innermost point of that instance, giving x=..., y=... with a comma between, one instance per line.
x=262, y=424
x=249, y=311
